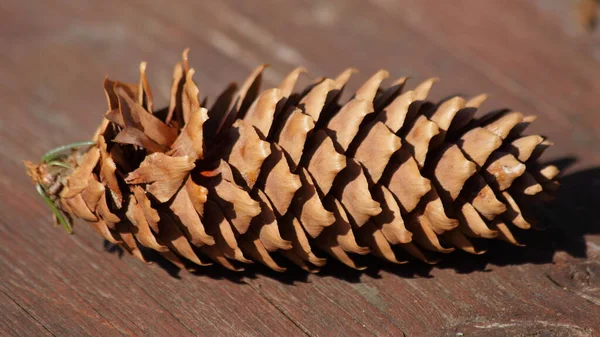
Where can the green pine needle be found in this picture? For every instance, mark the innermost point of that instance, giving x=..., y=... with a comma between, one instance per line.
x=58, y=163
x=64, y=221
x=58, y=152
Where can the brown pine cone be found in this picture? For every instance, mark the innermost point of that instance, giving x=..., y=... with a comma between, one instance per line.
x=298, y=173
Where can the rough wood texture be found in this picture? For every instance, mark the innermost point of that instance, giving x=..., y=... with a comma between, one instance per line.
x=55, y=54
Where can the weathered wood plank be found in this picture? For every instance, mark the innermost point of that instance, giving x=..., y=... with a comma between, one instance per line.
x=327, y=306
x=456, y=299
x=518, y=47
x=56, y=55
x=17, y=321
x=84, y=292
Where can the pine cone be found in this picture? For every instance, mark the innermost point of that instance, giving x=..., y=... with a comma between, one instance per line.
x=298, y=173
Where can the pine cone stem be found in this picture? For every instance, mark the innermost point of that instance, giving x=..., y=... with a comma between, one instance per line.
x=53, y=165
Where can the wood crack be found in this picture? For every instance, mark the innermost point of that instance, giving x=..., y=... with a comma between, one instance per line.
x=27, y=312
x=281, y=310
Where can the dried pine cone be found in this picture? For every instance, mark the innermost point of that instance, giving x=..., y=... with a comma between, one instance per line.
x=297, y=173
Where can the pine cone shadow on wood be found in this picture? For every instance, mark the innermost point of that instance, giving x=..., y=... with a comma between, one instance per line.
x=288, y=178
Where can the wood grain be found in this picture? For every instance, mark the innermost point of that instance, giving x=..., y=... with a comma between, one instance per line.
x=55, y=55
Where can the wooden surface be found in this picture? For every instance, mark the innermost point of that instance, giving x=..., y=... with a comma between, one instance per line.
x=526, y=54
